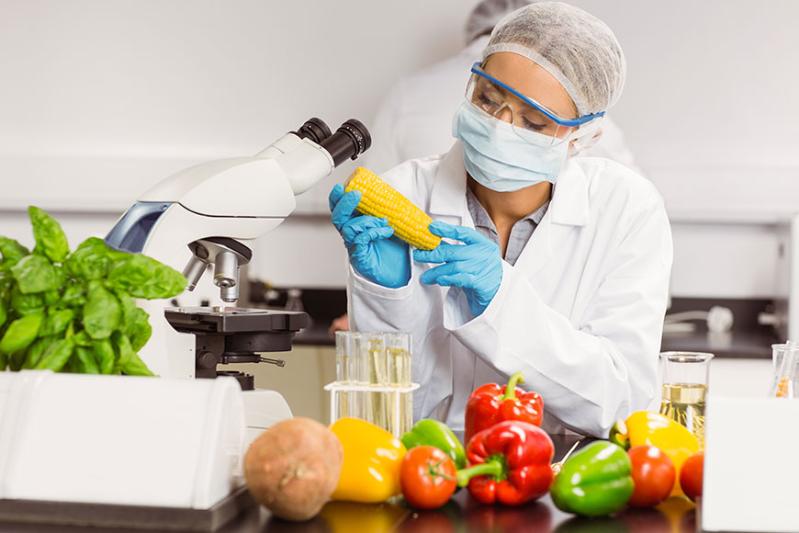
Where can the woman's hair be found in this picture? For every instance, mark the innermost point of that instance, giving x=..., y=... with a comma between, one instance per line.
x=577, y=48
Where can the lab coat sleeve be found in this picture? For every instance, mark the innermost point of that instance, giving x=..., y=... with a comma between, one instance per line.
x=373, y=307
x=603, y=366
x=407, y=309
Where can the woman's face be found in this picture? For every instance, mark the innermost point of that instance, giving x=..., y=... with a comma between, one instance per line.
x=532, y=81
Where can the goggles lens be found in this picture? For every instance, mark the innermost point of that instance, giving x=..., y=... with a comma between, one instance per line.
x=502, y=102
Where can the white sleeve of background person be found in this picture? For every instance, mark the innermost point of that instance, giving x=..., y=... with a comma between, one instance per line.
x=601, y=369
x=612, y=145
x=384, y=153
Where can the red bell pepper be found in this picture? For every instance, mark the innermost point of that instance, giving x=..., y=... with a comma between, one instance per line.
x=492, y=403
x=510, y=464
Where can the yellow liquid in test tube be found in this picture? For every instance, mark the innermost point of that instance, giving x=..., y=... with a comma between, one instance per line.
x=685, y=404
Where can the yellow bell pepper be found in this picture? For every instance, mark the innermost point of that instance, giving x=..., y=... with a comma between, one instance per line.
x=653, y=429
x=372, y=459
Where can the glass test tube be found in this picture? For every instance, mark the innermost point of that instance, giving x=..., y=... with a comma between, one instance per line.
x=398, y=349
x=685, y=383
x=375, y=350
x=344, y=362
x=785, y=360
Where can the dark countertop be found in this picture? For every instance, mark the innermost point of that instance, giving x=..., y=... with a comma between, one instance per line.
x=748, y=340
x=462, y=514
x=735, y=345
x=315, y=335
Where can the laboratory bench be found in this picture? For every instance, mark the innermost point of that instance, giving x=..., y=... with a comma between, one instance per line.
x=462, y=514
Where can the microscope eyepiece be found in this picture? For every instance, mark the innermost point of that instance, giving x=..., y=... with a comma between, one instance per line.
x=350, y=140
x=314, y=129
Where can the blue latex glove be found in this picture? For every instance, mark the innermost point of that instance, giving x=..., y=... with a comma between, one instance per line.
x=475, y=266
x=374, y=253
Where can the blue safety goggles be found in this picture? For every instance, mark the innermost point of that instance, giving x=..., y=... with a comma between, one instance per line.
x=474, y=89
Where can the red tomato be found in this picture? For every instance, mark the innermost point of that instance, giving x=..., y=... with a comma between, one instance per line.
x=653, y=474
x=427, y=477
x=691, y=475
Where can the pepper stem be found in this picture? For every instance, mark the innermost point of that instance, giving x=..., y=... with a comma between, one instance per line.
x=493, y=468
x=510, y=389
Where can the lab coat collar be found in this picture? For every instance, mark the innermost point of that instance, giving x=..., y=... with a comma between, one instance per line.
x=569, y=204
x=448, y=195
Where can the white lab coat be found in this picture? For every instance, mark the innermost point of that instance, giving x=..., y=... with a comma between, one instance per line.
x=580, y=313
x=415, y=118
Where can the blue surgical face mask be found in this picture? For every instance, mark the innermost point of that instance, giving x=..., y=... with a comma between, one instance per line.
x=506, y=158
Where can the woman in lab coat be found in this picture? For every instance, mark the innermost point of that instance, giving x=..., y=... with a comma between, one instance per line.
x=554, y=265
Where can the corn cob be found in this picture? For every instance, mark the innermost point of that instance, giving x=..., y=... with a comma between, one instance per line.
x=379, y=199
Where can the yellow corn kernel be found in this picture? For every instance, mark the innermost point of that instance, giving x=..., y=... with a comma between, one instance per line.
x=379, y=199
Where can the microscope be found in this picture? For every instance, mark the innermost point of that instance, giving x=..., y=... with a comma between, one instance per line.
x=201, y=219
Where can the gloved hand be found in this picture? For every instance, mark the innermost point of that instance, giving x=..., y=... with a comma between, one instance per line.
x=374, y=253
x=475, y=266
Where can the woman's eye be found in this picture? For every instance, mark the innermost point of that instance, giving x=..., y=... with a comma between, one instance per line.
x=485, y=101
x=530, y=125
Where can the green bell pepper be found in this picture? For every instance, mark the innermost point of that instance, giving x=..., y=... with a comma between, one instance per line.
x=595, y=481
x=430, y=432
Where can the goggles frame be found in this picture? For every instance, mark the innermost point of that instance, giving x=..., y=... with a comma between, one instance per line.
x=567, y=122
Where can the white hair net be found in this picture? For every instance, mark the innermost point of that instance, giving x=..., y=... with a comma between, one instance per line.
x=487, y=13
x=578, y=49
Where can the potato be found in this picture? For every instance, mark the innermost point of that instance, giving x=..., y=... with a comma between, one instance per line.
x=293, y=468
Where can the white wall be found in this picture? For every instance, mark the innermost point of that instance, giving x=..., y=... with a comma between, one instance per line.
x=99, y=99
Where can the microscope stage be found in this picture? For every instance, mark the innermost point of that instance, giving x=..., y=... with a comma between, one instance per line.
x=235, y=320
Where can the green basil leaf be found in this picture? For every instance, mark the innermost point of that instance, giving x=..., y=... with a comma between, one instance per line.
x=25, y=304
x=105, y=355
x=139, y=329
x=90, y=260
x=74, y=295
x=102, y=313
x=11, y=251
x=35, y=273
x=84, y=360
x=21, y=333
x=128, y=306
x=82, y=338
x=51, y=298
x=6, y=281
x=123, y=348
x=56, y=322
x=135, y=322
x=36, y=350
x=56, y=356
x=144, y=277
x=16, y=360
x=134, y=366
x=3, y=312
x=51, y=240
